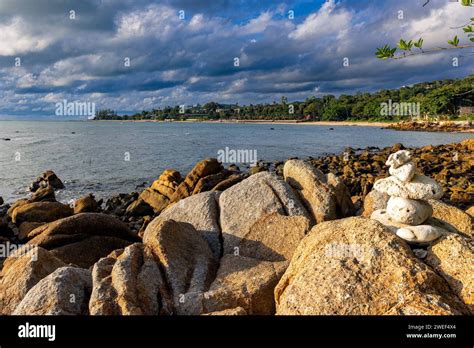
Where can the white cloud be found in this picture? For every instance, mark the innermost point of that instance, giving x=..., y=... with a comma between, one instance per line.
x=328, y=20
x=15, y=38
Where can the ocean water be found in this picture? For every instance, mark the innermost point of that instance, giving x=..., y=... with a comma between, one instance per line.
x=106, y=158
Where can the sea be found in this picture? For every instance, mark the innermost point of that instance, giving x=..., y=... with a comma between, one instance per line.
x=107, y=158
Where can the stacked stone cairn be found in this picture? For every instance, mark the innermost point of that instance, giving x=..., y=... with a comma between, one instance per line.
x=408, y=214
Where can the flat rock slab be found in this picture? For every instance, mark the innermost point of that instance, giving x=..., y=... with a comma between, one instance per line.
x=421, y=187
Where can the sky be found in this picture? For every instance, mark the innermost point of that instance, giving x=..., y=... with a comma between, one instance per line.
x=133, y=55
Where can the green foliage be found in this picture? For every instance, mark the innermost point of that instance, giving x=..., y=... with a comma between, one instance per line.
x=436, y=98
x=454, y=42
x=385, y=52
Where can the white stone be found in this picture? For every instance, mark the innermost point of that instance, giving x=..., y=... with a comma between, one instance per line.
x=421, y=234
x=398, y=158
x=408, y=211
x=403, y=173
x=420, y=187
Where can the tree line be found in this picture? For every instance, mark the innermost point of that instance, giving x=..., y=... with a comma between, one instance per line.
x=438, y=99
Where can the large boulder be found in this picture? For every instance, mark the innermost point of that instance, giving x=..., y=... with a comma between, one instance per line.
x=356, y=266
x=452, y=218
x=202, y=169
x=129, y=282
x=201, y=211
x=21, y=272
x=453, y=258
x=312, y=188
x=84, y=238
x=66, y=291
x=272, y=238
x=248, y=201
x=244, y=282
x=41, y=212
x=184, y=255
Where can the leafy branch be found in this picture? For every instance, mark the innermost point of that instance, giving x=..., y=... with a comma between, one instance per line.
x=406, y=46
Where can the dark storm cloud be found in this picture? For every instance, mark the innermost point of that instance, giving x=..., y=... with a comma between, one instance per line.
x=190, y=60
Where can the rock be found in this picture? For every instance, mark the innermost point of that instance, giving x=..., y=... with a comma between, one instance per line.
x=421, y=187
x=41, y=212
x=43, y=194
x=48, y=178
x=452, y=257
x=21, y=271
x=26, y=227
x=404, y=173
x=355, y=266
x=344, y=205
x=421, y=234
x=420, y=253
x=228, y=182
x=453, y=218
x=84, y=238
x=154, y=199
x=1, y=200
x=66, y=291
x=256, y=169
x=311, y=186
x=244, y=282
x=167, y=183
x=201, y=211
x=139, y=208
x=408, y=211
x=398, y=158
x=184, y=255
x=208, y=182
x=15, y=205
x=468, y=143
x=129, y=282
x=86, y=204
x=201, y=169
x=232, y=311
x=470, y=210
x=272, y=238
x=374, y=200
x=245, y=203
